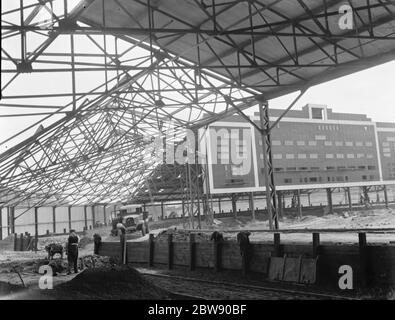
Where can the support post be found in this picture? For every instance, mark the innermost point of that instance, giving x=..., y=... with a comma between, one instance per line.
x=162, y=210
x=85, y=218
x=8, y=221
x=69, y=217
x=1, y=223
x=280, y=204
x=234, y=207
x=349, y=199
x=219, y=205
x=329, y=197
x=151, y=250
x=35, y=228
x=252, y=205
x=299, y=205
x=93, y=217
x=363, y=258
x=104, y=215
x=192, y=250
x=170, y=251
x=316, y=243
x=21, y=244
x=12, y=220
x=54, y=219
x=277, y=248
x=217, y=245
x=271, y=201
x=386, y=197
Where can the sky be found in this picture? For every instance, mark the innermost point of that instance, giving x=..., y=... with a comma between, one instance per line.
x=370, y=92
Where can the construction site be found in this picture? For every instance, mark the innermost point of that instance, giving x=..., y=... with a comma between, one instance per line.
x=142, y=145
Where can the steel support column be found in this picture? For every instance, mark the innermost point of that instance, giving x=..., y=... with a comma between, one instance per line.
x=12, y=220
x=54, y=219
x=329, y=197
x=299, y=204
x=1, y=223
x=271, y=200
x=385, y=196
x=252, y=205
x=349, y=199
x=234, y=206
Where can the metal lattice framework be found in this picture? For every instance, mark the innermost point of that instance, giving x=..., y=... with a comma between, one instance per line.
x=125, y=70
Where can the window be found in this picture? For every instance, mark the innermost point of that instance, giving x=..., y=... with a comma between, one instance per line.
x=277, y=156
x=278, y=169
x=313, y=156
x=276, y=143
x=369, y=156
x=364, y=178
x=329, y=156
x=289, y=156
x=320, y=137
x=371, y=177
x=386, y=144
x=360, y=155
x=303, y=168
x=350, y=156
x=328, y=143
x=368, y=144
x=289, y=143
x=349, y=144
x=340, y=155
x=287, y=180
x=371, y=167
x=339, y=143
x=330, y=168
x=359, y=144
x=361, y=167
x=313, y=179
x=302, y=156
x=312, y=143
x=340, y=168
x=317, y=113
x=315, y=168
x=291, y=169
x=339, y=179
x=386, y=150
x=300, y=143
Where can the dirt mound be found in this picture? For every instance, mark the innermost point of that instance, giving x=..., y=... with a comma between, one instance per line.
x=109, y=282
x=7, y=289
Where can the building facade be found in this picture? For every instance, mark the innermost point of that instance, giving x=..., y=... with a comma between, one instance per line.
x=311, y=148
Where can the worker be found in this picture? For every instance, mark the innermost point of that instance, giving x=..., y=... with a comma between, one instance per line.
x=122, y=233
x=72, y=251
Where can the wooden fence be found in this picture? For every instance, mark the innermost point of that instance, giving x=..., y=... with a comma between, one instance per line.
x=372, y=265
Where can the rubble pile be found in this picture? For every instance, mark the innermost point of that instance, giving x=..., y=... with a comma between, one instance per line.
x=109, y=282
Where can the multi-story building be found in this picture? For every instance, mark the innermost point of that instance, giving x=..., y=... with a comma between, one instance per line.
x=311, y=148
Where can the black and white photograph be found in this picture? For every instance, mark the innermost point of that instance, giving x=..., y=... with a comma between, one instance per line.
x=197, y=155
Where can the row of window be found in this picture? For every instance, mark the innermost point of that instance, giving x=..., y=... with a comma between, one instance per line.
x=328, y=168
x=313, y=143
x=329, y=179
x=289, y=156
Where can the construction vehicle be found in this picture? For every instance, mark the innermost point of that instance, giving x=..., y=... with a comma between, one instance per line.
x=132, y=217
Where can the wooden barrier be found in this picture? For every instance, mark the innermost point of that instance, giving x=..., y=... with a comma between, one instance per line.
x=304, y=263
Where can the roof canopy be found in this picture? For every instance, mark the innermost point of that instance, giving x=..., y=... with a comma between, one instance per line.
x=162, y=67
